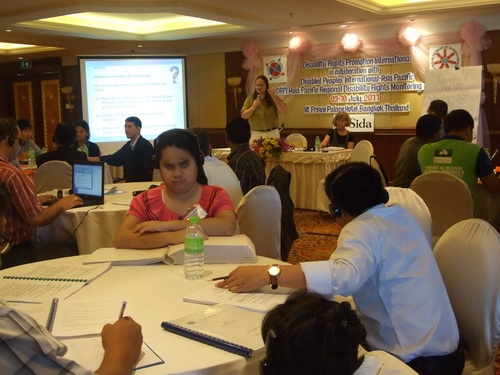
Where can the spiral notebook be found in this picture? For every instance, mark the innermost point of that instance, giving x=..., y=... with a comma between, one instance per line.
x=226, y=327
x=41, y=282
x=81, y=318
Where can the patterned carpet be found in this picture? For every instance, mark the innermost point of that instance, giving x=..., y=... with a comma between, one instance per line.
x=318, y=236
x=318, y=239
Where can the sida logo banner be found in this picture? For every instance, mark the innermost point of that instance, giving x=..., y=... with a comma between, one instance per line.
x=362, y=123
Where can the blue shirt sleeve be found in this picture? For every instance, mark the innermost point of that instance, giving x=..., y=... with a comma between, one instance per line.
x=484, y=166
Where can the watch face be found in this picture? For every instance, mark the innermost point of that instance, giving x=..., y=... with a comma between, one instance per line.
x=274, y=271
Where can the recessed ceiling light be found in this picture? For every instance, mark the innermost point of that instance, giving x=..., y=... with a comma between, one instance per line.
x=344, y=25
x=8, y=30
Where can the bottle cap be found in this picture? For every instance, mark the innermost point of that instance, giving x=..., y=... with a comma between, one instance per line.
x=194, y=219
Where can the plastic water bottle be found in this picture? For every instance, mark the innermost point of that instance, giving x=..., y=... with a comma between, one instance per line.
x=31, y=157
x=317, y=144
x=194, y=257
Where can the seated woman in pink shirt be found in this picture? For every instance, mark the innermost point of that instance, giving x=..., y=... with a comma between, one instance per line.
x=156, y=217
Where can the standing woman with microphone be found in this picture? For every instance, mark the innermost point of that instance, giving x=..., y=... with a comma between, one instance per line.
x=261, y=110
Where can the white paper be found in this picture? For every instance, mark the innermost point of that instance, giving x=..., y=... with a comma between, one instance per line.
x=88, y=352
x=262, y=301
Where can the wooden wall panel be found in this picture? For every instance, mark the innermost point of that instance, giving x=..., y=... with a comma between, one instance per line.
x=51, y=109
x=23, y=100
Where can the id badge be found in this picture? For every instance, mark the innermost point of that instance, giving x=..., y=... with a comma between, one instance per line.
x=196, y=210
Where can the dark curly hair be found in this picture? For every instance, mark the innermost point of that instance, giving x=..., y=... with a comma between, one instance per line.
x=312, y=335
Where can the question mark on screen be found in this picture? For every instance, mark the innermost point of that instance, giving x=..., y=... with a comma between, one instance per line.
x=176, y=73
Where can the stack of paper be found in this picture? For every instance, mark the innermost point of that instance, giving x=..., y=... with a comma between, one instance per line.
x=234, y=249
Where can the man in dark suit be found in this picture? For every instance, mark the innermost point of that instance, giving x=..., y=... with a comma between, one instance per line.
x=136, y=156
x=64, y=137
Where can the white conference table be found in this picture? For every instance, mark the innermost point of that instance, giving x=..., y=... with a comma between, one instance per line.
x=308, y=168
x=93, y=227
x=154, y=294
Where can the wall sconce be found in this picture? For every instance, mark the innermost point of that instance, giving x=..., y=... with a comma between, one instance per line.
x=68, y=90
x=494, y=69
x=234, y=82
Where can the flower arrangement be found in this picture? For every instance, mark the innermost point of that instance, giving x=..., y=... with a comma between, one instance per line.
x=268, y=148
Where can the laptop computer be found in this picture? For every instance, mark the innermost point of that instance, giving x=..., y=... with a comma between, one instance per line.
x=88, y=182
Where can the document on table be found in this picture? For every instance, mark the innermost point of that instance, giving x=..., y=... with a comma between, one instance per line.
x=41, y=282
x=226, y=327
x=88, y=352
x=262, y=301
x=125, y=257
x=81, y=318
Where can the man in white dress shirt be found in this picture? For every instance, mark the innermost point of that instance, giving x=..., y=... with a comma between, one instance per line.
x=384, y=261
x=218, y=173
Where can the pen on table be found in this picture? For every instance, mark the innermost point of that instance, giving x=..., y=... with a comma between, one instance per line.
x=219, y=278
x=122, y=310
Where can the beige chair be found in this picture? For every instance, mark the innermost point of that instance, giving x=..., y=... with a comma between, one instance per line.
x=468, y=256
x=108, y=178
x=259, y=217
x=298, y=140
x=447, y=197
x=413, y=203
x=54, y=174
x=363, y=151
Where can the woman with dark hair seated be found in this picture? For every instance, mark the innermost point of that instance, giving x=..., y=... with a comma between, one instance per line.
x=82, y=142
x=309, y=334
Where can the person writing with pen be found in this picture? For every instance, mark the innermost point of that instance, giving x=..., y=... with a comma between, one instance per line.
x=27, y=347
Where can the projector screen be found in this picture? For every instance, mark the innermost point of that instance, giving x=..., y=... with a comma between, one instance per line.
x=114, y=88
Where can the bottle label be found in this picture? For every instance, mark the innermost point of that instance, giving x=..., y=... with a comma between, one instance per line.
x=193, y=245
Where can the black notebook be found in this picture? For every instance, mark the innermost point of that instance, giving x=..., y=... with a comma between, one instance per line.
x=226, y=327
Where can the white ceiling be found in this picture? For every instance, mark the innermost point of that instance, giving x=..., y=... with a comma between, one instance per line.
x=143, y=23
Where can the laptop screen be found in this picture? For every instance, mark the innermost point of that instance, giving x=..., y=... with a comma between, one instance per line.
x=88, y=178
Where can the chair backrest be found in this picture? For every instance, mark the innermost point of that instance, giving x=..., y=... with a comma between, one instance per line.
x=413, y=203
x=54, y=174
x=280, y=178
x=220, y=174
x=468, y=256
x=362, y=151
x=259, y=217
x=447, y=197
x=108, y=178
x=298, y=140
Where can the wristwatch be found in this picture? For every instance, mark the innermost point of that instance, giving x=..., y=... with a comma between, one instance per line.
x=274, y=272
